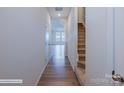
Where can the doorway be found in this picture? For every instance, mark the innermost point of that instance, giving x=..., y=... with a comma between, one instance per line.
x=58, y=31
x=58, y=37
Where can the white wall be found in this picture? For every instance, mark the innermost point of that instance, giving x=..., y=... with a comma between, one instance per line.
x=81, y=15
x=119, y=39
x=66, y=37
x=48, y=30
x=99, y=46
x=72, y=37
x=22, y=41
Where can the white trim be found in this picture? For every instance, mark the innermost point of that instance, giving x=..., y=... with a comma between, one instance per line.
x=38, y=79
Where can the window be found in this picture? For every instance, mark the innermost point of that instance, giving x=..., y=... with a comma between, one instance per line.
x=59, y=37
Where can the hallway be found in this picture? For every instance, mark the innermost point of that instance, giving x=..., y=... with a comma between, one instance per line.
x=58, y=71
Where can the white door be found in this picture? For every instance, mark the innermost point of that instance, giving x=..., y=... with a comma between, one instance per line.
x=105, y=45
x=119, y=40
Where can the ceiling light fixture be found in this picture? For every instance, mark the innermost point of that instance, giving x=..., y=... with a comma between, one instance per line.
x=59, y=14
x=59, y=8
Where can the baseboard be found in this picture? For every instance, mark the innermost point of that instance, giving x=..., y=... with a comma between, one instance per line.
x=36, y=84
x=81, y=83
x=42, y=72
x=71, y=64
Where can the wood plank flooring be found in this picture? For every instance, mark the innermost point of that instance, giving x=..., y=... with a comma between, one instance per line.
x=58, y=73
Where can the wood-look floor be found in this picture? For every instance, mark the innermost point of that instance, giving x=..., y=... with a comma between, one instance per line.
x=58, y=73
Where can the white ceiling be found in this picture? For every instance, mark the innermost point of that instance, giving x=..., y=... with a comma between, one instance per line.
x=53, y=13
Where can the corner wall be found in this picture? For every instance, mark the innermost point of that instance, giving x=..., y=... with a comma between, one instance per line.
x=72, y=37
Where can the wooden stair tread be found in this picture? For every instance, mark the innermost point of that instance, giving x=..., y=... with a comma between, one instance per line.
x=81, y=65
x=82, y=39
x=81, y=55
x=82, y=62
x=81, y=48
x=81, y=43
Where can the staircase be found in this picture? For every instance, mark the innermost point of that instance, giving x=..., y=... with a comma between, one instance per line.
x=81, y=46
x=80, y=70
